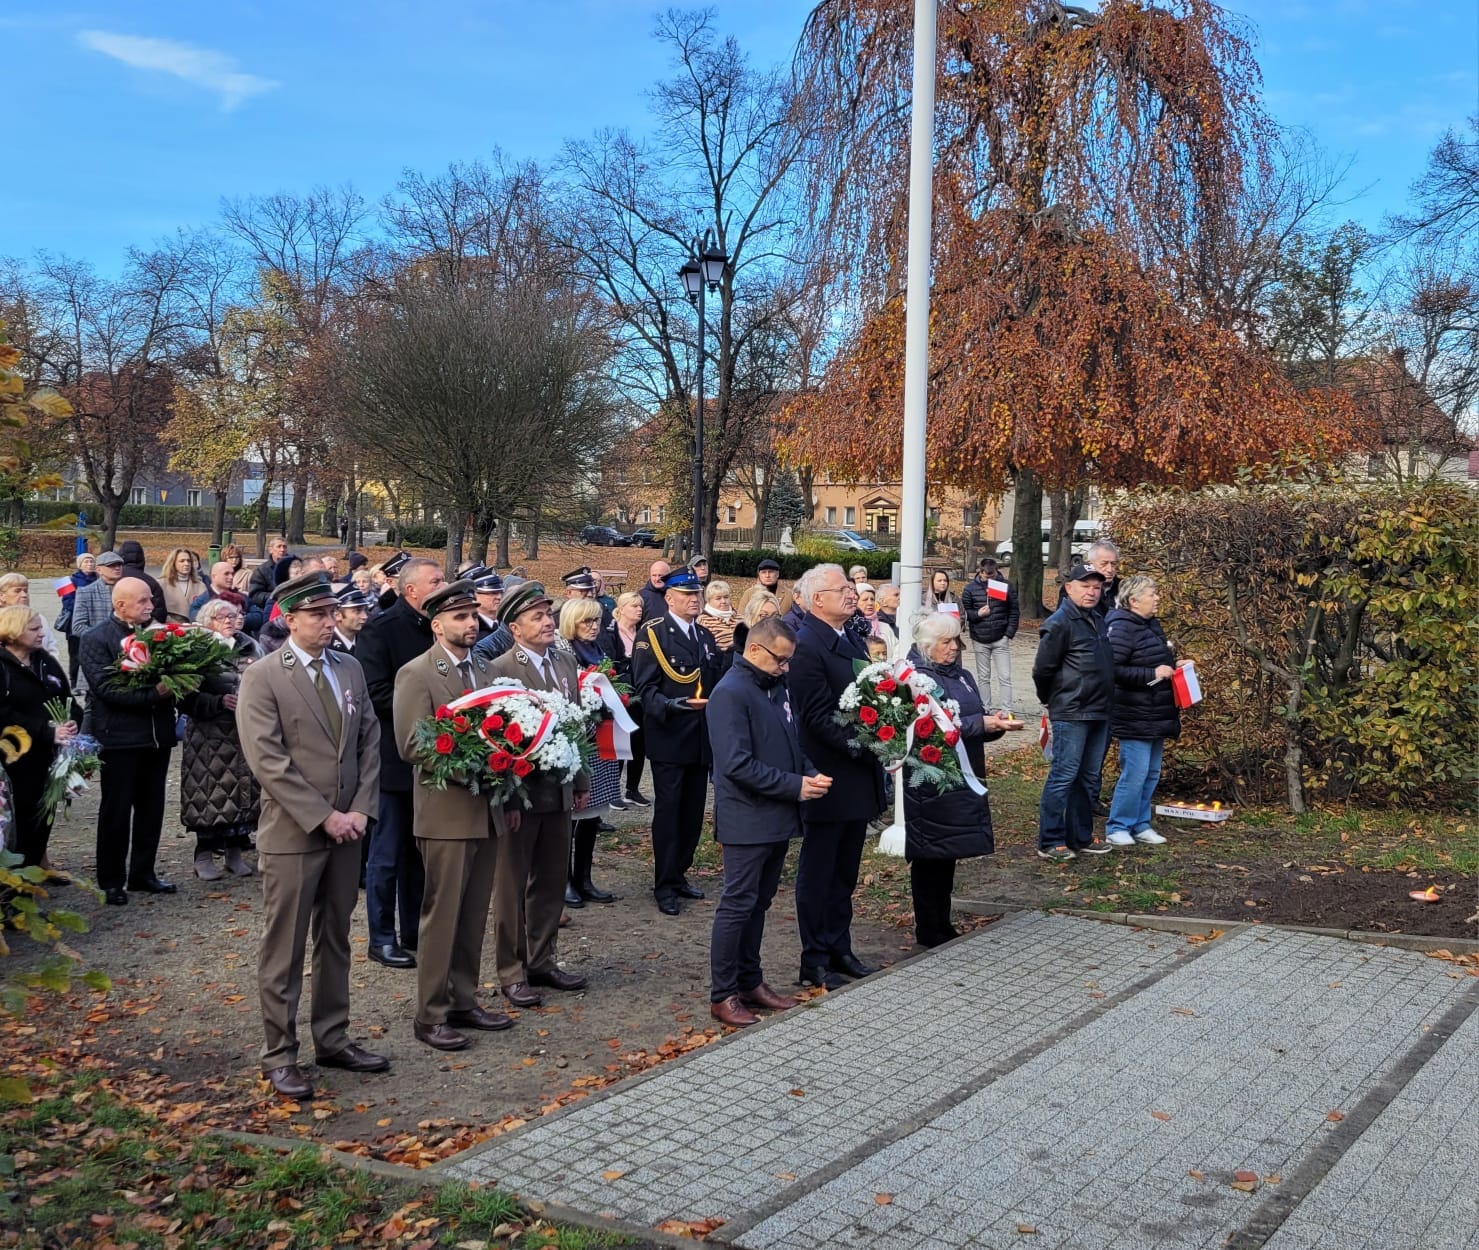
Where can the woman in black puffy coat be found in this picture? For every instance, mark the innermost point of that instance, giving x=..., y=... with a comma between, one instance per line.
x=943, y=826
x=1145, y=712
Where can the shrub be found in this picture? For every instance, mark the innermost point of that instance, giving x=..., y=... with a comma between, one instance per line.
x=417, y=536
x=1332, y=625
x=742, y=562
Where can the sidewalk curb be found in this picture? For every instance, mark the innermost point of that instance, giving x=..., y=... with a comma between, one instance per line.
x=1196, y=924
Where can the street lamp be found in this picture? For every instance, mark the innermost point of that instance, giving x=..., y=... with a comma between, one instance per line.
x=704, y=268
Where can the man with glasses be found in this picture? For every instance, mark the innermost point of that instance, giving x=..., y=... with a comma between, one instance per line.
x=836, y=822
x=760, y=781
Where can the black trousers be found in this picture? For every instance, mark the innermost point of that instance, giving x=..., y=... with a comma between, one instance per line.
x=678, y=793
x=751, y=875
x=931, y=881
x=31, y=825
x=633, y=780
x=74, y=660
x=130, y=814
x=826, y=876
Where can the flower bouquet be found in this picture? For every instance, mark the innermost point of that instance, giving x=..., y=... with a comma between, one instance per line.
x=899, y=716
x=77, y=762
x=604, y=700
x=452, y=751
x=178, y=657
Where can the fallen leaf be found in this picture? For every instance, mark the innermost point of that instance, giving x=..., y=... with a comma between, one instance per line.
x=1183, y=1011
x=611, y=1174
x=1273, y=1178
x=1160, y=1115
x=798, y=1093
x=1196, y=1176
x=1246, y=1187
x=1026, y=1230
x=1335, y=1117
x=785, y=1176
x=883, y=1200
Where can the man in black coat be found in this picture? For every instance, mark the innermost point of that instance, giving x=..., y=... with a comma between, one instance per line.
x=136, y=730
x=1074, y=676
x=760, y=781
x=675, y=666
x=654, y=593
x=394, y=638
x=990, y=611
x=263, y=580
x=132, y=552
x=827, y=872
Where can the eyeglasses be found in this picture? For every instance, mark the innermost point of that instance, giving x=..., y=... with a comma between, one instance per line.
x=784, y=661
x=837, y=590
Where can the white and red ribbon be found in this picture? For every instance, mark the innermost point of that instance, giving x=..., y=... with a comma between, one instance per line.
x=486, y=697
x=919, y=684
x=595, y=679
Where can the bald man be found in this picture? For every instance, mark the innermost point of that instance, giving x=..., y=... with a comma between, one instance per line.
x=136, y=730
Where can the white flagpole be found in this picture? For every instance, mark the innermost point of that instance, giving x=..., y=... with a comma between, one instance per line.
x=916, y=349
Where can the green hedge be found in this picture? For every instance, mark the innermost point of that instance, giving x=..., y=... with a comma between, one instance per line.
x=741, y=563
x=155, y=516
x=417, y=536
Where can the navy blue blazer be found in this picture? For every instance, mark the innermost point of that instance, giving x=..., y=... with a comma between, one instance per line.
x=758, y=763
x=821, y=670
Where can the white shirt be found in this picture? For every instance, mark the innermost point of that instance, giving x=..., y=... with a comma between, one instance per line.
x=328, y=669
x=685, y=626
x=466, y=659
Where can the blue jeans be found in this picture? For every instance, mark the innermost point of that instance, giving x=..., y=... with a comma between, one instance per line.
x=394, y=874
x=1140, y=770
x=1065, y=816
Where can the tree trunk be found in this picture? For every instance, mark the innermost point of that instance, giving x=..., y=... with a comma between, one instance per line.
x=263, y=505
x=454, y=544
x=111, y=510
x=531, y=549
x=1027, y=542
x=483, y=526
x=297, y=513
x=332, y=497
x=218, y=525
x=503, y=561
x=806, y=479
x=1293, y=751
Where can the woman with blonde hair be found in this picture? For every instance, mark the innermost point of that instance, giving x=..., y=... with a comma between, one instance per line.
x=621, y=641
x=719, y=618
x=758, y=603
x=15, y=588
x=580, y=628
x=179, y=575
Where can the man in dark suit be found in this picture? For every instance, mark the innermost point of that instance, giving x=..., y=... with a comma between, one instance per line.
x=351, y=613
x=389, y=642
x=489, y=591
x=675, y=664
x=827, y=871
x=760, y=781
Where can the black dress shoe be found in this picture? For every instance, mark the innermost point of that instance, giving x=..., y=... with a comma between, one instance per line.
x=851, y=966
x=823, y=978
x=572, y=896
x=520, y=995
x=354, y=1059
x=603, y=826
x=116, y=897
x=480, y=1018
x=669, y=906
x=594, y=894
x=289, y=1082
x=392, y=956
x=558, y=979
x=688, y=891
x=440, y=1036
x=638, y=799
x=153, y=885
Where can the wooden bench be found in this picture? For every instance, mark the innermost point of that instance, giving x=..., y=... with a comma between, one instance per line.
x=612, y=580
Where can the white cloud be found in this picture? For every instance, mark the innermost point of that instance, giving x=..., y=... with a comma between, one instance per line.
x=212, y=70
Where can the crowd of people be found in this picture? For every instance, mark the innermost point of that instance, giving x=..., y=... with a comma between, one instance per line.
x=304, y=751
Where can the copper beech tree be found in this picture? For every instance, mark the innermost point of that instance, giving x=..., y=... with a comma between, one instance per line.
x=1088, y=167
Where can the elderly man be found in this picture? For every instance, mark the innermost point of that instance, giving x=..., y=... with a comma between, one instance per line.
x=761, y=779
x=136, y=729
x=835, y=824
x=1104, y=558
x=313, y=744
x=91, y=606
x=1074, y=676
x=259, y=589
x=675, y=666
x=888, y=605
x=389, y=642
x=654, y=593
x=768, y=577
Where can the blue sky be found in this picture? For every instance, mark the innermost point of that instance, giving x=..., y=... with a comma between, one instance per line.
x=138, y=117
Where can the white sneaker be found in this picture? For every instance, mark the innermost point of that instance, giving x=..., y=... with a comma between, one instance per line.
x=1150, y=837
x=1120, y=838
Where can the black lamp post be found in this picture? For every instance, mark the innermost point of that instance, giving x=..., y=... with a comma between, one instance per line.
x=703, y=269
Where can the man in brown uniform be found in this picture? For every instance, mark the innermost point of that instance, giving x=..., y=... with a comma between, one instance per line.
x=534, y=863
x=312, y=741
x=456, y=832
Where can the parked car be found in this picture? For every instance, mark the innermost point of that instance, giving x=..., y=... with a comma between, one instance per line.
x=848, y=539
x=603, y=536
x=643, y=538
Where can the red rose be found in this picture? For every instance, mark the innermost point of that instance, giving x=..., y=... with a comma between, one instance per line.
x=500, y=761
x=459, y=723
x=930, y=755
x=445, y=744
x=443, y=711
x=174, y=629
x=886, y=733
x=522, y=768
x=493, y=722
x=887, y=686
x=924, y=727
x=952, y=737
x=868, y=715
x=513, y=733
x=159, y=635
x=626, y=700
x=921, y=700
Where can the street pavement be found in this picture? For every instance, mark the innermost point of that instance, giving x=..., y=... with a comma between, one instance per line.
x=1056, y=1082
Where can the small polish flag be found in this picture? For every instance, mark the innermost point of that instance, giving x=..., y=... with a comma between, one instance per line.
x=952, y=608
x=64, y=586
x=996, y=589
x=1185, y=686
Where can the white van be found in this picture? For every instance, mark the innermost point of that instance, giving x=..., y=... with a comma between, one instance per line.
x=1084, y=534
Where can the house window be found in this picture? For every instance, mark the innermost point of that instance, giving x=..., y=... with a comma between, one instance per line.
x=192, y=499
x=849, y=517
x=831, y=516
x=138, y=495
x=733, y=514
x=662, y=513
x=646, y=517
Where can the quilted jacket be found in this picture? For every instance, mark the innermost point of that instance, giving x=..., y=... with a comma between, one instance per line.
x=216, y=786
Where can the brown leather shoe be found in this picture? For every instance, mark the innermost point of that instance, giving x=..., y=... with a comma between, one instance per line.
x=354, y=1059
x=558, y=979
x=733, y=1013
x=290, y=1082
x=520, y=995
x=763, y=996
x=564, y=920
x=440, y=1036
x=480, y=1018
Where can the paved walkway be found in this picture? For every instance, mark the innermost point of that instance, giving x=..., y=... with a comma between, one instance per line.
x=1057, y=1082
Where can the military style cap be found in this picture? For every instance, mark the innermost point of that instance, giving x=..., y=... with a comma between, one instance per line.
x=489, y=581
x=395, y=564
x=519, y=600
x=579, y=579
x=682, y=579
x=352, y=597
x=308, y=590
x=768, y=563
x=1083, y=573
x=450, y=598
x=473, y=572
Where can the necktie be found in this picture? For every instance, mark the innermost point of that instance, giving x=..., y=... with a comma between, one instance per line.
x=326, y=697
x=547, y=671
x=464, y=667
